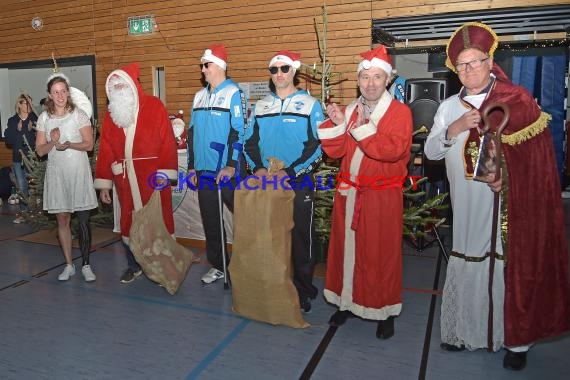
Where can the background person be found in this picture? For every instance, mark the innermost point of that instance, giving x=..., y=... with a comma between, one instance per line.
x=21, y=126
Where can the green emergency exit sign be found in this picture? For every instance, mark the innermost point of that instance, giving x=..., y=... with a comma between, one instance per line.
x=141, y=25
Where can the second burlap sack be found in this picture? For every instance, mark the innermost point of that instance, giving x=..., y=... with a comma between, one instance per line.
x=261, y=268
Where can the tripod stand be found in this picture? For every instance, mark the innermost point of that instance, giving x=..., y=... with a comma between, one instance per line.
x=422, y=205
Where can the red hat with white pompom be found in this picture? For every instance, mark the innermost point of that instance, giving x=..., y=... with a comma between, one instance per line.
x=288, y=58
x=216, y=54
x=377, y=57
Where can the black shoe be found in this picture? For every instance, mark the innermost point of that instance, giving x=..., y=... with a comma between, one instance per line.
x=339, y=318
x=305, y=305
x=385, y=328
x=452, y=347
x=130, y=275
x=515, y=361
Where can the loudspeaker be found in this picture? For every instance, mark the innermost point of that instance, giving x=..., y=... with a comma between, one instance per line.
x=423, y=96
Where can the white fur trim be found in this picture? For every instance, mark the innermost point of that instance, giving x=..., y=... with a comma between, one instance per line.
x=101, y=183
x=331, y=133
x=367, y=130
x=375, y=62
x=170, y=173
x=364, y=131
x=285, y=59
x=209, y=57
x=362, y=311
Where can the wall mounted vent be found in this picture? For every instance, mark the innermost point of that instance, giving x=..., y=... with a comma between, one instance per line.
x=505, y=21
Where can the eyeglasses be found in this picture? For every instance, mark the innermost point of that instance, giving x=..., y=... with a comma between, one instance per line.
x=205, y=64
x=474, y=64
x=23, y=101
x=284, y=69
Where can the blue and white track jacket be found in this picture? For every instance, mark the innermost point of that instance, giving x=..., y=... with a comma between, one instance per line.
x=285, y=129
x=216, y=117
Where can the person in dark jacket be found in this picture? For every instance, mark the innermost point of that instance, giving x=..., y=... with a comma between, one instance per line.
x=21, y=128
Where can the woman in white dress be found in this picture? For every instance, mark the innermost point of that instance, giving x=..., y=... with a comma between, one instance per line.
x=65, y=134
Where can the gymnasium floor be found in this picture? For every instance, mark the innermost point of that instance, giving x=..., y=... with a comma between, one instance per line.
x=108, y=330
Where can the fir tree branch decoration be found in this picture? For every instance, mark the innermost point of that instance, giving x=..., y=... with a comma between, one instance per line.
x=419, y=214
x=322, y=72
x=36, y=169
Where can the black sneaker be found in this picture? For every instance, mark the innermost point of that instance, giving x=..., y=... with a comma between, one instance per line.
x=305, y=305
x=130, y=275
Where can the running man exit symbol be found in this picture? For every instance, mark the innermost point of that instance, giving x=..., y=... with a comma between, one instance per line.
x=141, y=25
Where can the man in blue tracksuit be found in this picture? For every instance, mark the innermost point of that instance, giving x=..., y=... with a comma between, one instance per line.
x=284, y=126
x=217, y=122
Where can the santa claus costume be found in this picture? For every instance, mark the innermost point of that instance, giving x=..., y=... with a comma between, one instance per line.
x=137, y=145
x=364, y=266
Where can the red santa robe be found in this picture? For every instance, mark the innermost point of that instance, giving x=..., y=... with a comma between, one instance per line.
x=136, y=153
x=364, y=265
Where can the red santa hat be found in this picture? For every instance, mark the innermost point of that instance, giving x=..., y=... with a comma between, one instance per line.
x=377, y=57
x=288, y=58
x=128, y=73
x=471, y=35
x=217, y=54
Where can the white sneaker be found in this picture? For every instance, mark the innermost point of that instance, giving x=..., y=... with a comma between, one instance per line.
x=88, y=273
x=68, y=271
x=19, y=219
x=212, y=275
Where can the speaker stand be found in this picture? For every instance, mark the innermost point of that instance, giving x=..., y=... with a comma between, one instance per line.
x=420, y=243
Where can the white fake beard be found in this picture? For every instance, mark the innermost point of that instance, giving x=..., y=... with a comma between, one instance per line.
x=122, y=107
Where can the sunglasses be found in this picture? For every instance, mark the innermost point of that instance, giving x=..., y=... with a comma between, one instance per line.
x=205, y=64
x=275, y=69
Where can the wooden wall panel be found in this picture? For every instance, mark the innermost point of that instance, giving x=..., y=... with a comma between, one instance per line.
x=253, y=30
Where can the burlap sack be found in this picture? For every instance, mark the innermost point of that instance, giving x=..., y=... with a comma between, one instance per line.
x=261, y=269
x=160, y=256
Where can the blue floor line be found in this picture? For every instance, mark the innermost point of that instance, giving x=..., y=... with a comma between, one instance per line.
x=217, y=350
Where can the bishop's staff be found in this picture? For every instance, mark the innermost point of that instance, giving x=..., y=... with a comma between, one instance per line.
x=495, y=220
